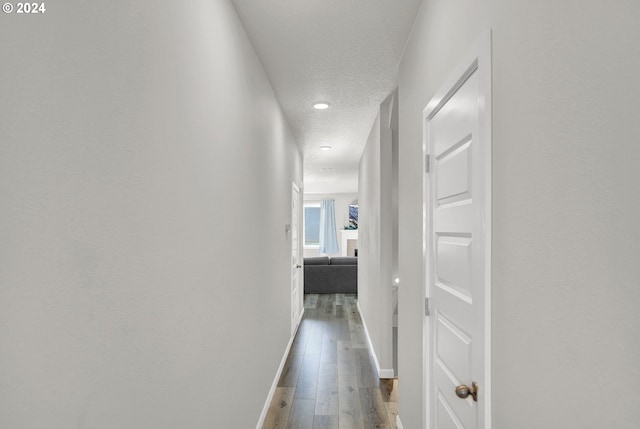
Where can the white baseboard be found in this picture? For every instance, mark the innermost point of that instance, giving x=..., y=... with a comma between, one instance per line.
x=265, y=408
x=398, y=422
x=386, y=373
x=382, y=372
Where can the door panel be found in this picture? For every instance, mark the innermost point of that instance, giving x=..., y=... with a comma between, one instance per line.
x=445, y=417
x=453, y=263
x=454, y=174
x=459, y=108
x=456, y=219
x=453, y=349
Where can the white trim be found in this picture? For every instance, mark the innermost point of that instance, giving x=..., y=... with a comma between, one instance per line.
x=386, y=373
x=382, y=373
x=477, y=60
x=485, y=76
x=265, y=408
x=398, y=422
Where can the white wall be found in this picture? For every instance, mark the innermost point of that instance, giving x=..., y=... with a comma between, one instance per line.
x=341, y=207
x=145, y=177
x=565, y=205
x=375, y=253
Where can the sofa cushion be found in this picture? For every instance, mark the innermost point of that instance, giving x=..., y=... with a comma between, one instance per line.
x=319, y=260
x=344, y=260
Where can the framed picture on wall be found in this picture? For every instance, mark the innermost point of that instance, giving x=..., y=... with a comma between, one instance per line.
x=353, y=216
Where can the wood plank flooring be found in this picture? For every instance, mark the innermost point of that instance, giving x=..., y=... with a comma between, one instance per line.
x=329, y=380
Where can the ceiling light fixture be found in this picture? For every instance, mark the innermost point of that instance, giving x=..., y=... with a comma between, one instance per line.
x=320, y=105
x=325, y=147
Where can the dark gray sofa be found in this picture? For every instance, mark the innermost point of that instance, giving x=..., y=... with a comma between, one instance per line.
x=331, y=275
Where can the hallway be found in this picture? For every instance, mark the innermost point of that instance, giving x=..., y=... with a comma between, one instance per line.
x=329, y=380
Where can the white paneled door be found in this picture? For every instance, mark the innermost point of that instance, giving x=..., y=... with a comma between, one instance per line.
x=457, y=235
x=295, y=258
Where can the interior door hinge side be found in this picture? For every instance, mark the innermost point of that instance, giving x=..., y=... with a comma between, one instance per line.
x=427, y=159
x=427, y=310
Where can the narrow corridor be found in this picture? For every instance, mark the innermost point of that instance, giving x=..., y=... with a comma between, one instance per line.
x=329, y=380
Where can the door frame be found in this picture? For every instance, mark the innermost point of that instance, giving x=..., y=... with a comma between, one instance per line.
x=295, y=190
x=476, y=60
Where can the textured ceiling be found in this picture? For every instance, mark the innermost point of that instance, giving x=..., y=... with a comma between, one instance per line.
x=345, y=52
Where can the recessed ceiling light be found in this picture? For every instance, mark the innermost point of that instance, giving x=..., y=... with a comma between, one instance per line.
x=325, y=147
x=320, y=105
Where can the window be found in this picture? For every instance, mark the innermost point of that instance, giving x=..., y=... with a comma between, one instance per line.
x=312, y=224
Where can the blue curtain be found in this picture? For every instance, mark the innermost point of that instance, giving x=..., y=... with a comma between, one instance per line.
x=328, y=236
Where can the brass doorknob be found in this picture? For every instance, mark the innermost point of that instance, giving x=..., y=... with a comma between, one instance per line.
x=463, y=391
